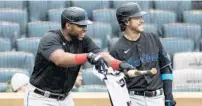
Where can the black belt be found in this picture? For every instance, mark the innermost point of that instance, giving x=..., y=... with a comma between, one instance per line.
x=147, y=93
x=51, y=95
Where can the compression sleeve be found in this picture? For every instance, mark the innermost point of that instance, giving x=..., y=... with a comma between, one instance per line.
x=80, y=58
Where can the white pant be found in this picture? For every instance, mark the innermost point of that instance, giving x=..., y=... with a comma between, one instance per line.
x=137, y=100
x=33, y=99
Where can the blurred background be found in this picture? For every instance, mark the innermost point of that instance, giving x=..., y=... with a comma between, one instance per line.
x=178, y=24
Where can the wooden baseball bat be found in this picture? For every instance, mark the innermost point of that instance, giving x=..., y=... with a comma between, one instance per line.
x=135, y=73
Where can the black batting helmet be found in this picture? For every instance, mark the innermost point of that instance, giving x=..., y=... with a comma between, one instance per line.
x=75, y=15
x=127, y=11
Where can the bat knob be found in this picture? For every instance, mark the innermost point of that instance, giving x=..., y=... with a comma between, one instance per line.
x=153, y=71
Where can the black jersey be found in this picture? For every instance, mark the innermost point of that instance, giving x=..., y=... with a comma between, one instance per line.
x=46, y=75
x=145, y=53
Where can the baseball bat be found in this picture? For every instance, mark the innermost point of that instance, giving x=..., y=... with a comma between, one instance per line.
x=135, y=73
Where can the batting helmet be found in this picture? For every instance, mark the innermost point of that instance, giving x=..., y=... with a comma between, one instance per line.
x=75, y=15
x=127, y=11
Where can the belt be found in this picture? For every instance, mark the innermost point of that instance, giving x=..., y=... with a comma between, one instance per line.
x=51, y=95
x=147, y=93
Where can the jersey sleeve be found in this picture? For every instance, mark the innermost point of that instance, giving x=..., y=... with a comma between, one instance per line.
x=114, y=54
x=115, y=50
x=164, y=59
x=48, y=44
x=90, y=46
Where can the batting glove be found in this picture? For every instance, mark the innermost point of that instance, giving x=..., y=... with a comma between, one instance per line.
x=98, y=61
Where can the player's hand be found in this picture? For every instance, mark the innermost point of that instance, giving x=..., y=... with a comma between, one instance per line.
x=124, y=66
x=170, y=102
x=97, y=60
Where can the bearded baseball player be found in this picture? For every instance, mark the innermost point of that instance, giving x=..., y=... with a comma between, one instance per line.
x=59, y=58
x=144, y=51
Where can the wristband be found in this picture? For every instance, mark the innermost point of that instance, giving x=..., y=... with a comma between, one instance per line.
x=80, y=58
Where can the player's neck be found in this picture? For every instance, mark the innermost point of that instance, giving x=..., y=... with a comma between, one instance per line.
x=65, y=34
x=131, y=35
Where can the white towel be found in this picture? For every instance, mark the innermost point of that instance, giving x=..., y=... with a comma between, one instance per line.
x=116, y=86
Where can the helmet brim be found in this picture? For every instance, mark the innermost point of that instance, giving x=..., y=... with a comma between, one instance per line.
x=84, y=22
x=139, y=14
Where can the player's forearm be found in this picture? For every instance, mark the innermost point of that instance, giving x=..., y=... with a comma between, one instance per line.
x=69, y=59
x=167, y=88
x=167, y=77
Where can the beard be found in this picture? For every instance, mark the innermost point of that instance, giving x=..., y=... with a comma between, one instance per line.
x=140, y=31
x=73, y=36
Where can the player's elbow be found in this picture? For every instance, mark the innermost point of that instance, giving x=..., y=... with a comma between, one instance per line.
x=61, y=62
x=57, y=57
x=58, y=62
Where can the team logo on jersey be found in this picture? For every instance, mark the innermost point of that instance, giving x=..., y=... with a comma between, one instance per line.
x=146, y=58
x=121, y=82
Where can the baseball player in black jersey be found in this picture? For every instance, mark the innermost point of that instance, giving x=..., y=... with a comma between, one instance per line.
x=59, y=58
x=144, y=51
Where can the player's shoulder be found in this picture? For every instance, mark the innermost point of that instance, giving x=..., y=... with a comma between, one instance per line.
x=50, y=36
x=116, y=43
x=151, y=35
x=53, y=34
